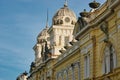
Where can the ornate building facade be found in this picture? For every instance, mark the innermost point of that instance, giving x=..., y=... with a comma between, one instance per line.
x=83, y=49
x=95, y=56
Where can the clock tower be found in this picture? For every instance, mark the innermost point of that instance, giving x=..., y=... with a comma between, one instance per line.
x=61, y=31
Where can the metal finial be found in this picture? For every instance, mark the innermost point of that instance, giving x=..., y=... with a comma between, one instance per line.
x=66, y=2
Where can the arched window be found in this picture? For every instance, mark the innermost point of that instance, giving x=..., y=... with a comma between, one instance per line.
x=65, y=75
x=59, y=77
x=70, y=75
x=77, y=71
x=109, y=59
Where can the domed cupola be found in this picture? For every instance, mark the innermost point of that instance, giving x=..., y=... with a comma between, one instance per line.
x=64, y=16
x=43, y=35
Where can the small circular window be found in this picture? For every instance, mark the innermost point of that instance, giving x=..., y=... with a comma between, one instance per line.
x=67, y=19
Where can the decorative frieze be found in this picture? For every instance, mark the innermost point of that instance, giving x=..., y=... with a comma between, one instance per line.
x=85, y=39
x=85, y=49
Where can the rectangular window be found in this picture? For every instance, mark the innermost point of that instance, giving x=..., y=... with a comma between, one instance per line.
x=87, y=66
x=66, y=40
x=60, y=40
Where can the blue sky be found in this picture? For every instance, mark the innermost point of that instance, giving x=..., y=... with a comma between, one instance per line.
x=20, y=23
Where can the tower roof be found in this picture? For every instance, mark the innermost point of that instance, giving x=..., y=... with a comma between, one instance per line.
x=62, y=13
x=43, y=34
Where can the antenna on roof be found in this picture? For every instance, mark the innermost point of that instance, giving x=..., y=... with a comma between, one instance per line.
x=47, y=20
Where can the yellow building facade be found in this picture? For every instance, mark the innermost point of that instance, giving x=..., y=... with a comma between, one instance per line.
x=92, y=54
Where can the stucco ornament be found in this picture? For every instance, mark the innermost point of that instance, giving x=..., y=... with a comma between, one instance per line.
x=104, y=29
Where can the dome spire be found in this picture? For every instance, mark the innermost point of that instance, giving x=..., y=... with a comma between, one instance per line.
x=66, y=3
x=47, y=20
